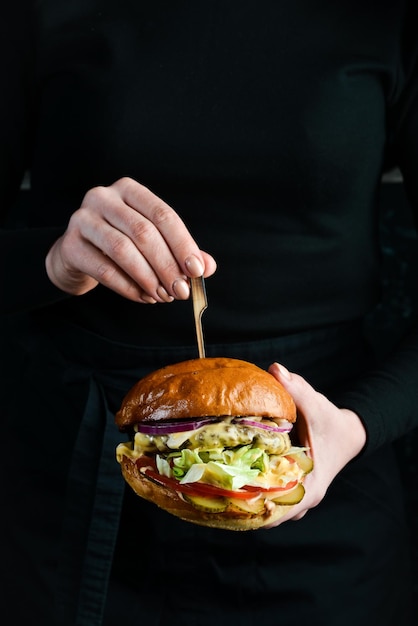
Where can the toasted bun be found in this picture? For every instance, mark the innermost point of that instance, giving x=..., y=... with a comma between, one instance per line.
x=205, y=387
x=198, y=388
x=170, y=501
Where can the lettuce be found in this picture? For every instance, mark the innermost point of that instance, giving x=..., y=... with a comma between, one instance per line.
x=226, y=468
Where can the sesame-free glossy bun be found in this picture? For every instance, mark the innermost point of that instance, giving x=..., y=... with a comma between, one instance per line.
x=203, y=387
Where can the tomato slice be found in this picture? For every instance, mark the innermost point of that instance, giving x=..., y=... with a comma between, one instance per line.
x=270, y=490
x=196, y=489
x=147, y=465
x=146, y=461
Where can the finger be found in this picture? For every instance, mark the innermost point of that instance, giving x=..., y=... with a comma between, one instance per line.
x=102, y=251
x=290, y=516
x=132, y=242
x=88, y=260
x=299, y=516
x=307, y=399
x=304, y=395
x=210, y=264
x=162, y=271
x=167, y=222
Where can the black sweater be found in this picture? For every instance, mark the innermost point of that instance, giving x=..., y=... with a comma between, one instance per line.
x=266, y=125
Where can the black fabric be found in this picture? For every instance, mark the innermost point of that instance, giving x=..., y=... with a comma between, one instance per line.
x=267, y=126
x=226, y=111
x=317, y=570
x=329, y=566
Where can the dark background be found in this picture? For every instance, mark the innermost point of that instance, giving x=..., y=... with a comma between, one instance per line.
x=392, y=318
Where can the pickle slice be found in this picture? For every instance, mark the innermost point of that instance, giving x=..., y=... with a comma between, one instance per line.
x=207, y=504
x=303, y=460
x=291, y=497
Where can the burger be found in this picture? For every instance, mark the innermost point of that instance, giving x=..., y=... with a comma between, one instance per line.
x=209, y=441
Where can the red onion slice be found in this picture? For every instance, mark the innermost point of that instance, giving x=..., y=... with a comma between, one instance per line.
x=166, y=428
x=264, y=426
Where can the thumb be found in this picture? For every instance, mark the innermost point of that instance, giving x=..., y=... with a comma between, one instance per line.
x=308, y=404
x=301, y=391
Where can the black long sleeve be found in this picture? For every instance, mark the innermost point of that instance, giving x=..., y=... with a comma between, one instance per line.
x=270, y=144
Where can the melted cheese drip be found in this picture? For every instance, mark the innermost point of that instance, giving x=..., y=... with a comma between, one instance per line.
x=222, y=434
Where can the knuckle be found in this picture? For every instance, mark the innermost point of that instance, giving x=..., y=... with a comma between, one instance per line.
x=118, y=246
x=81, y=220
x=126, y=182
x=105, y=273
x=170, y=268
x=141, y=230
x=161, y=214
x=95, y=195
x=78, y=216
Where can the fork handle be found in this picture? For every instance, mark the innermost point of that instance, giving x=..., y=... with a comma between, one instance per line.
x=199, y=305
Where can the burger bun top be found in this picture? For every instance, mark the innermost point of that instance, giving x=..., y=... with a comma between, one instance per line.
x=202, y=387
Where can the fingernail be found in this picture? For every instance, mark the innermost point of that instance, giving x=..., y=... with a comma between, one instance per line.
x=283, y=371
x=194, y=266
x=149, y=300
x=181, y=289
x=164, y=295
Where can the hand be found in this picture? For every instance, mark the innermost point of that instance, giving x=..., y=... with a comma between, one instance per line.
x=126, y=238
x=334, y=437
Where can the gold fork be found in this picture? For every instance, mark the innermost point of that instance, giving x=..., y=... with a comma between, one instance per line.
x=200, y=304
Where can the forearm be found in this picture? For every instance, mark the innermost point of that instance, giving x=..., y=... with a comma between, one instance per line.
x=386, y=399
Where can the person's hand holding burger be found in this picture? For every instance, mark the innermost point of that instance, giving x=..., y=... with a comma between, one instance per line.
x=334, y=436
x=220, y=442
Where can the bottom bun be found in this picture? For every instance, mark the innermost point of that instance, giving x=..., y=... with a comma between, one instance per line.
x=229, y=519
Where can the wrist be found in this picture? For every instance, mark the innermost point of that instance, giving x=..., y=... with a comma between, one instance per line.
x=356, y=432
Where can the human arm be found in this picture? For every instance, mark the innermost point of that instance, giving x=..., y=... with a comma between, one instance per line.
x=379, y=407
x=334, y=436
x=26, y=238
